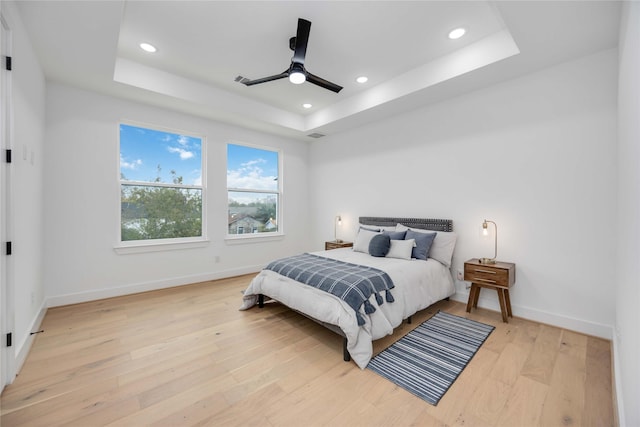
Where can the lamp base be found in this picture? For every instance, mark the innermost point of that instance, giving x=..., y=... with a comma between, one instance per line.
x=487, y=261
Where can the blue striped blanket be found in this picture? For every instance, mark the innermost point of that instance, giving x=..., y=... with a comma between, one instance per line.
x=352, y=283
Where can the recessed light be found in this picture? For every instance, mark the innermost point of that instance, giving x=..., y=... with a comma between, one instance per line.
x=148, y=47
x=457, y=33
x=307, y=105
x=362, y=79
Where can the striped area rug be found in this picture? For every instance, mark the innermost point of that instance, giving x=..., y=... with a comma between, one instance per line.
x=428, y=359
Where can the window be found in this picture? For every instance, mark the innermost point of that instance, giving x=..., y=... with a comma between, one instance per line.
x=161, y=191
x=253, y=190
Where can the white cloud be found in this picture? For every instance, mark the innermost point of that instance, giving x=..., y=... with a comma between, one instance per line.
x=184, y=154
x=183, y=140
x=130, y=165
x=249, y=175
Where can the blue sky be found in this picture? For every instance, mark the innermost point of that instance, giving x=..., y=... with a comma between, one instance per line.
x=142, y=150
x=253, y=168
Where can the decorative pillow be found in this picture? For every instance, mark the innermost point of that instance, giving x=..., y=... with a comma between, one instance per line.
x=400, y=248
x=400, y=227
x=423, y=243
x=379, y=245
x=443, y=246
x=368, y=227
x=363, y=239
x=395, y=235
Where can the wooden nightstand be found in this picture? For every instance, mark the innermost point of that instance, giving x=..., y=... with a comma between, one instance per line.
x=337, y=244
x=499, y=276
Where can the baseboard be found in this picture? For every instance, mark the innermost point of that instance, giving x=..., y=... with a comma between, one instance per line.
x=541, y=316
x=23, y=348
x=75, y=298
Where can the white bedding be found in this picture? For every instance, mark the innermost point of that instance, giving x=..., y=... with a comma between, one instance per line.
x=418, y=284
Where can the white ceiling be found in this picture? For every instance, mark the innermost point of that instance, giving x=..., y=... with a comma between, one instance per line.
x=401, y=46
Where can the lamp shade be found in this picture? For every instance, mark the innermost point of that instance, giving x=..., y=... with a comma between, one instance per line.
x=337, y=221
x=485, y=232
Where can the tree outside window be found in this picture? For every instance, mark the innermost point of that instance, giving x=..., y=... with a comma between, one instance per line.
x=253, y=189
x=161, y=191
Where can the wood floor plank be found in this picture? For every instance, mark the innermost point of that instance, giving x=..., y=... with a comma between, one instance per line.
x=564, y=404
x=539, y=364
x=508, y=367
x=187, y=356
x=489, y=401
x=524, y=406
x=598, y=387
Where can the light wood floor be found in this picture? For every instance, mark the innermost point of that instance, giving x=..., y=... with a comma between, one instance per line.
x=187, y=356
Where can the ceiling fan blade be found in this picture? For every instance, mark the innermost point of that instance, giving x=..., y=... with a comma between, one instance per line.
x=311, y=78
x=302, y=38
x=267, y=79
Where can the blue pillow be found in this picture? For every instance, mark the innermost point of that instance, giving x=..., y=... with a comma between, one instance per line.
x=423, y=243
x=395, y=235
x=379, y=245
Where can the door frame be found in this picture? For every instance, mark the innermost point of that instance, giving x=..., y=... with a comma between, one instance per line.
x=7, y=310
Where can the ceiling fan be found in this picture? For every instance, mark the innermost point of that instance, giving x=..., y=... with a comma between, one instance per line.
x=296, y=72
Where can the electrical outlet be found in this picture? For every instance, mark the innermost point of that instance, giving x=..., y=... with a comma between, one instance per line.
x=460, y=275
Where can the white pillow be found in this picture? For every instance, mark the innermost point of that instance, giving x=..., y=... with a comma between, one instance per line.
x=363, y=239
x=400, y=227
x=401, y=249
x=442, y=246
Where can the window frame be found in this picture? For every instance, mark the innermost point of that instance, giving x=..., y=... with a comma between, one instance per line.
x=153, y=245
x=269, y=235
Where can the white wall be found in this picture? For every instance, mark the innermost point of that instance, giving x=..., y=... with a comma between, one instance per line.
x=627, y=338
x=82, y=191
x=537, y=155
x=26, y=209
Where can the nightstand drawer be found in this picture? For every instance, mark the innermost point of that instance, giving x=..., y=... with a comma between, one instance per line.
x=486, y=274
x=337, y=245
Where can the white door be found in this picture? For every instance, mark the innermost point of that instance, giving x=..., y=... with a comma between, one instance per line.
x=7, y=354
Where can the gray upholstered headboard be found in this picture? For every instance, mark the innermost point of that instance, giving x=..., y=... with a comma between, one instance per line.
x=423, y=223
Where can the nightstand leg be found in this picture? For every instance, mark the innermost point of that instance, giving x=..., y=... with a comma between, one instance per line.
x=476, y=296
x=507, y=300
x=503, y=309
x=472, y=291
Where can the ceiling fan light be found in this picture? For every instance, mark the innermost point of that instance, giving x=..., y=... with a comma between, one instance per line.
x=297, y=77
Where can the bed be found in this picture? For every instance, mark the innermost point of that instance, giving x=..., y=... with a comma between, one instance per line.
x=416, y=283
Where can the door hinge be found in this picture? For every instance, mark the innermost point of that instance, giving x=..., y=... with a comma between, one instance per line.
x=9, y=248
x=9, y=339
x=7, y=156
x=7, y=63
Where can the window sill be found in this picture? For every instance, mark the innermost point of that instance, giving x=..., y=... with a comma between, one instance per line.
x=136, y=248
x=252, y=238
